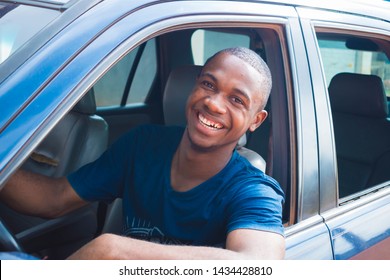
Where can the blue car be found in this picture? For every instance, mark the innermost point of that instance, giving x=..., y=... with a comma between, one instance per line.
x=77, y=74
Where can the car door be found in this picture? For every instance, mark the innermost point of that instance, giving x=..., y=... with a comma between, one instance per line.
x=354, y=201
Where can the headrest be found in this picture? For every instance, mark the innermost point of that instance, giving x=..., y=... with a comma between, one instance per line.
x=179, y=86
x=358, y=94
x=87, y=104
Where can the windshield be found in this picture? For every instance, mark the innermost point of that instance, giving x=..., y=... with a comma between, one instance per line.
x=19, y=23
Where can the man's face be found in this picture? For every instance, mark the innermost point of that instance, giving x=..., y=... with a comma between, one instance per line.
x=225, y=103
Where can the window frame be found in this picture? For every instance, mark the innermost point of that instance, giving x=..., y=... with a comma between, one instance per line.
x=351, y=25
x=366, y=33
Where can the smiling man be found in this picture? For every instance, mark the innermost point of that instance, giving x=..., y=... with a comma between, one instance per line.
x=187, y=193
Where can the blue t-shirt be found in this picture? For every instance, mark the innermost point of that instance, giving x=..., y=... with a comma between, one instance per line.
x=137, y=168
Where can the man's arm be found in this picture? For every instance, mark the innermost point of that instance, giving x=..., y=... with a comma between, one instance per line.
x=240, y=244
x=39, y=195
x=257, y=244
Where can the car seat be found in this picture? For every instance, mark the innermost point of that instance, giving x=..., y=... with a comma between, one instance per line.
x=177, y=89
x=361, y=130
x=79, y=138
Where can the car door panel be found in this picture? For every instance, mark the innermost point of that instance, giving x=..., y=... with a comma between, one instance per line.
x=308, y=240
x=359, y=227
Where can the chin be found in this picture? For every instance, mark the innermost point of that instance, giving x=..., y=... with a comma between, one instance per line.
x=199, y=142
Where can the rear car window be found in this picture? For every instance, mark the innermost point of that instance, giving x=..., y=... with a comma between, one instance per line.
x=354, y=55
x=357, y=71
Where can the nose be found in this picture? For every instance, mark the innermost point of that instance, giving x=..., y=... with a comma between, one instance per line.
x=215, y=104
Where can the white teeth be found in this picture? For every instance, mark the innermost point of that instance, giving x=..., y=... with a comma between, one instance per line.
x=209, y=123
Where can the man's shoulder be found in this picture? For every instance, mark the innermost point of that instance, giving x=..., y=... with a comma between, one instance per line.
x=246, y=176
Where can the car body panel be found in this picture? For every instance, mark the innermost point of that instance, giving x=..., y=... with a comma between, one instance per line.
x=308, y=240
x=358, y=225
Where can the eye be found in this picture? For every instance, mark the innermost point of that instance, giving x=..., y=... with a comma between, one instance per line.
x=208, y=84
x=237, y=100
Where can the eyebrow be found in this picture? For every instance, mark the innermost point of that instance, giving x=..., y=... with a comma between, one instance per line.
x=237, y=90
x=211, y=76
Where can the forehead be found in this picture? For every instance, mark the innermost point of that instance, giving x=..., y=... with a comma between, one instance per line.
x=234, y=71
x=232, y=65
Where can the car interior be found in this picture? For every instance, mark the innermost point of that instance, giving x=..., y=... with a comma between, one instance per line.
x=80, y=137
x=365, y=161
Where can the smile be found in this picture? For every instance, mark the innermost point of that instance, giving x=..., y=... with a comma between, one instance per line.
x=208, y=123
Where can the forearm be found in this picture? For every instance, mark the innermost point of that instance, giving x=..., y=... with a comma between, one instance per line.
x=33, y=194
x=110, y=246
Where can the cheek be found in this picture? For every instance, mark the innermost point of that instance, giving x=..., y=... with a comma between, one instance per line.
x=239, y=118
x=192, y=100
x=245, y=118
x=194, y=97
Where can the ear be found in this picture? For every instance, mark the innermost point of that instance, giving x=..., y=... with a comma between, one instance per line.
x=258, y=120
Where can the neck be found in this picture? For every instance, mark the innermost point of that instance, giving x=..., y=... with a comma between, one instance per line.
x=192, y=165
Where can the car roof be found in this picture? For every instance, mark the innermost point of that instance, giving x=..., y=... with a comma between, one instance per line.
x=60, y=5
x=71, y=9
x=373, y=8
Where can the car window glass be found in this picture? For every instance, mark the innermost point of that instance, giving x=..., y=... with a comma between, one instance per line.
x=205, y=43
x=357, y=71
x=130, y=80
x=110, y=88
x=144, y=75
x=337, y=57
x=15, y=32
